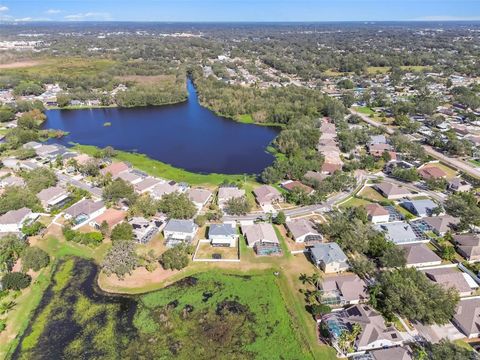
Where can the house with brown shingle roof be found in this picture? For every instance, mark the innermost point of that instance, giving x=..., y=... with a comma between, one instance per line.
x=303, y=231
x=111, y=216
x=392, y=191
x=467, y=317
x=431, y=172
x=266, y=195
x=419, y=255
x=468, y=245
x=440, y=225
x=290, y=185
x=377, y=213
x=199, y=197
x=392, y=353
x=115, y=168
x=450, y=277
x=343, y=290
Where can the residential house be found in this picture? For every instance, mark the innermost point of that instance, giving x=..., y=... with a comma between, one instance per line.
x=391, y=353
x=377, y=139
x=226, y=193
x=340, y=290
x=467, y=317
x=145, y=184
x=114, y=169
x=468, y=245
x=328, y=168
x=452, y=277
x=130, y=176
x=374, y=333
x=303, y=231
x=179, y=231
x=14, y=220
x=290, y=185
x=222, y=235
x=400, y=232
x=377, y=213
x=267, y=195
x=392, y=191
x=419, y=255
x=422, y=208
x=432, y=172
x=200, y=197
x=440, y=225
x=32, y=145
x=45, y=151
x=111, y=216
x=84, y=210
x=377, y=150
x=53, y=197
x=164, y=188
x=329, y=257
x=144, y=230
x=262, y=238
x=460, y=185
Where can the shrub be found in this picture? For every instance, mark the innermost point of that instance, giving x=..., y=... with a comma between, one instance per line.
x=16, y=281
x=34, y=258
x=176, y=258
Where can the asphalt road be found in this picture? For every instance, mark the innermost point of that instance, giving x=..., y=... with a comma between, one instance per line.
x=457, y=164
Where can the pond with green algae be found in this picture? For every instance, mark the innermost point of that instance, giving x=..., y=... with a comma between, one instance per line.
x=211, y=315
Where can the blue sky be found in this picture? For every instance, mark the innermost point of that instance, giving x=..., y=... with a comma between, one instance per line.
x=239, y=10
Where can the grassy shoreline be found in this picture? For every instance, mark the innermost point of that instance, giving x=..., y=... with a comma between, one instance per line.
x=163, y=170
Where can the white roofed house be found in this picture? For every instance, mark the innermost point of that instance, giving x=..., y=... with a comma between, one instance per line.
x=14, y=220
x=262, y=238
x=222, y=235
x=53, y=197
x=400, y=232
x=130, y=176
x=146, y=184
x=303, y=231
x=179, y=231
x=227, y=193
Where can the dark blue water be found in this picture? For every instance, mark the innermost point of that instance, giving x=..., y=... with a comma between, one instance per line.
x=185, y=135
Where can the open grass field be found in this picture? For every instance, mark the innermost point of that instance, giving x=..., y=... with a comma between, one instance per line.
x=206, y=251
x=69, y=67
x=162, y=170
x=370, y=193
x=387, y=69
x=214, y=314
x=364, y=110
x=354, y=202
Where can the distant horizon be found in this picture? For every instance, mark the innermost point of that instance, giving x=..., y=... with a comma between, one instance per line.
x=230, y=11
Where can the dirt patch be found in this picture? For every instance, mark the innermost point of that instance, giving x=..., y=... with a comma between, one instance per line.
x=140, y=277
x=20, y=64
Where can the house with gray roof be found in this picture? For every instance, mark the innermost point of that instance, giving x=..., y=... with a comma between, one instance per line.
x=164, y=188
x=329, y=257
x=12, y=181
x=419, y=255
x=467, y=317
x=266, y=195
x=422, y=208
x=222, y=235
x=400, y=232
x=226, y=193
x=303, y=231
x=84, y=211
x=53, y=197
x=145, y=185
x=375, y=334
x=392, y=353
x=13, y=221
x=177, y=231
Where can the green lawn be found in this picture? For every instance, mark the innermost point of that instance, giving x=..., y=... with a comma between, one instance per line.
x=364, y=110
x=162, y=170
x=354, y=202
x=370, y=193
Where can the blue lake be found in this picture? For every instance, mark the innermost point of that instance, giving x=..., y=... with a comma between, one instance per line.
x=185, y=135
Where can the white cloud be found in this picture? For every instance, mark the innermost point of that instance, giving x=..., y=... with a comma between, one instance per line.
x=88, y=16
x=53, y=11
x=24, y=19
x=3, y=8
